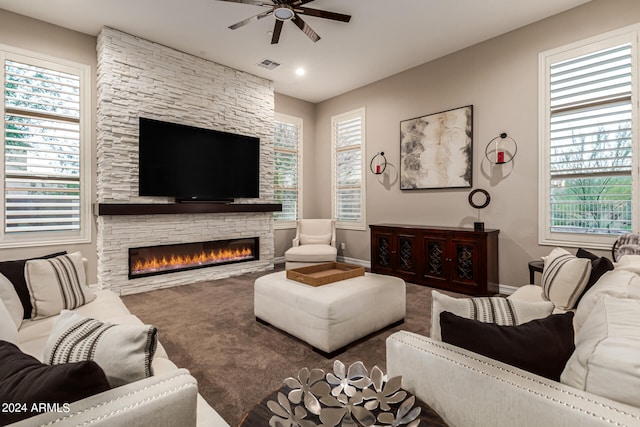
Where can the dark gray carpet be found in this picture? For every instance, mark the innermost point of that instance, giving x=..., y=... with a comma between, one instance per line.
x=209, y=328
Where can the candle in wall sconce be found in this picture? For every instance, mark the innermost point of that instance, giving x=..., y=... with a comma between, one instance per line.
x=501, y=149
x=378, y=163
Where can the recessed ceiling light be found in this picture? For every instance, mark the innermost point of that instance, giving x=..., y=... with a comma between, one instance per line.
x=300, y=71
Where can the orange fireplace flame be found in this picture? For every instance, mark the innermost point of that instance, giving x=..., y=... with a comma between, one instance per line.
x=185, y=261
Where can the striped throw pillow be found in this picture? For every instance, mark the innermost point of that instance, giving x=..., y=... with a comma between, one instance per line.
x=56, y=284
x=496, y=310
x=564, y=277
x=124, y=352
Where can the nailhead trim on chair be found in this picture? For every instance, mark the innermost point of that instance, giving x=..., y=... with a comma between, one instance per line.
x=545, y=384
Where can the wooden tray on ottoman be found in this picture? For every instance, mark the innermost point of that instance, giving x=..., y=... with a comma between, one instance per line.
x=323, y=274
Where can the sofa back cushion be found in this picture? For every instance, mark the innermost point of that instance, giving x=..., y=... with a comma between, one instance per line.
x=620, y=283
x=606, y=361
x=11, y=301
x=8, y=329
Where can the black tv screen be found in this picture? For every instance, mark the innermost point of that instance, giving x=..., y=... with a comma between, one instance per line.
x=191, y=163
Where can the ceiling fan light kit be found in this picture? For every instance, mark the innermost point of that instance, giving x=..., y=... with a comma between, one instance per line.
x=288, y=10
x=283, y=13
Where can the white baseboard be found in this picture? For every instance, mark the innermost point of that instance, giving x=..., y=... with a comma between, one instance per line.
x=355, y=261
x=278, y=260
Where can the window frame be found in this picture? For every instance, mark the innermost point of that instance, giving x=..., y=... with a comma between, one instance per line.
x=299, y=122
x=83, y=71
x=361, y=225
x=545, y=60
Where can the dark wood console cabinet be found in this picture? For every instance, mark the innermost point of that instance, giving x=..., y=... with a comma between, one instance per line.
x=455, y=259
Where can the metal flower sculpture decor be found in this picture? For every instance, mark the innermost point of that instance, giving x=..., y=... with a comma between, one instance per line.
x=346, y=398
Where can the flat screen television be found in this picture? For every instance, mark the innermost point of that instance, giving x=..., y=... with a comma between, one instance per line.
x=196, y=164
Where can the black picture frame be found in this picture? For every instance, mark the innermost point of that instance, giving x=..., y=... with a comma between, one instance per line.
x=436, y=150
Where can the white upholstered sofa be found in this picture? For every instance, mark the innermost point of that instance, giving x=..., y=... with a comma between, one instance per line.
x=468, y=389
x=168, y=398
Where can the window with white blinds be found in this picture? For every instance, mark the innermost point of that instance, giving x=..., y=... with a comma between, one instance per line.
x=288, y=171
x=44, y=197
x=589, y=142
x=348, y=138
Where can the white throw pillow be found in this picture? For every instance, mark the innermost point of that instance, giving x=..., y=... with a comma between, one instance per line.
x=498, y=310
x=564, y=277
x=606, y=361
x=313, y=239
x=8, y=329
x=124, y=352
x=11, y=301
x=56, y=284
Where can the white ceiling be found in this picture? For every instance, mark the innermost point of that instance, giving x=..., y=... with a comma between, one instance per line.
x=383, y=38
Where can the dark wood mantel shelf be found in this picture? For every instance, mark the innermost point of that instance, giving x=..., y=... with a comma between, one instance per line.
x=101, y=209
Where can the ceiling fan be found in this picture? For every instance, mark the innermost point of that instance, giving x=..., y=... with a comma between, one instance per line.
x=288, y=10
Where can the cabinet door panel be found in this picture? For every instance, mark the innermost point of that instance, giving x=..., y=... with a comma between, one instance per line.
x=465, y=257
x=406, y=255
x=436, y=266
x=382, y=252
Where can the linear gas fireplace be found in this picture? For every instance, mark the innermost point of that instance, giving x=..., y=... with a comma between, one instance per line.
x=152, y=260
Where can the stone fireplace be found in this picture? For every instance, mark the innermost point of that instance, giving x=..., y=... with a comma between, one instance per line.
x=137, y=77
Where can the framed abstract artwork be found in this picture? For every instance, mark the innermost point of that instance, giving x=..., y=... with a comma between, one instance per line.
x=436, y=151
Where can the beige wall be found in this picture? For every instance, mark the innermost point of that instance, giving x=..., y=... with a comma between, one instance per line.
x=37, y=36
x=500, y=78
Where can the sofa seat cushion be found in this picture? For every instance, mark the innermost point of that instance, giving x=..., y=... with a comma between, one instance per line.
x=311, y=253
x=606, y=361
x=25, y=381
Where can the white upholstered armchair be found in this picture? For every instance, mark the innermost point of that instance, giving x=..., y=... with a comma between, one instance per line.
x=315, y=243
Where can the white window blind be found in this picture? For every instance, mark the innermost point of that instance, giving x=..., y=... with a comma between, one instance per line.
x=348, y=173
x=287, y=170
x=591, y=144
x=45, y=199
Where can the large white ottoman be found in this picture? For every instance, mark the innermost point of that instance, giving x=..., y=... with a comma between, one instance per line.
x=330, y=316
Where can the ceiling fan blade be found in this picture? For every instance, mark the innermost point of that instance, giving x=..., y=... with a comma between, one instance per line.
x=277, y=29
x=253, y=2
x=306, y=28
x=251, y=19
x=297, y=3
x=324, y=14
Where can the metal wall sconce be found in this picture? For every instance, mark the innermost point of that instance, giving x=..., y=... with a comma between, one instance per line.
x=501, y=149
x=378, y=163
